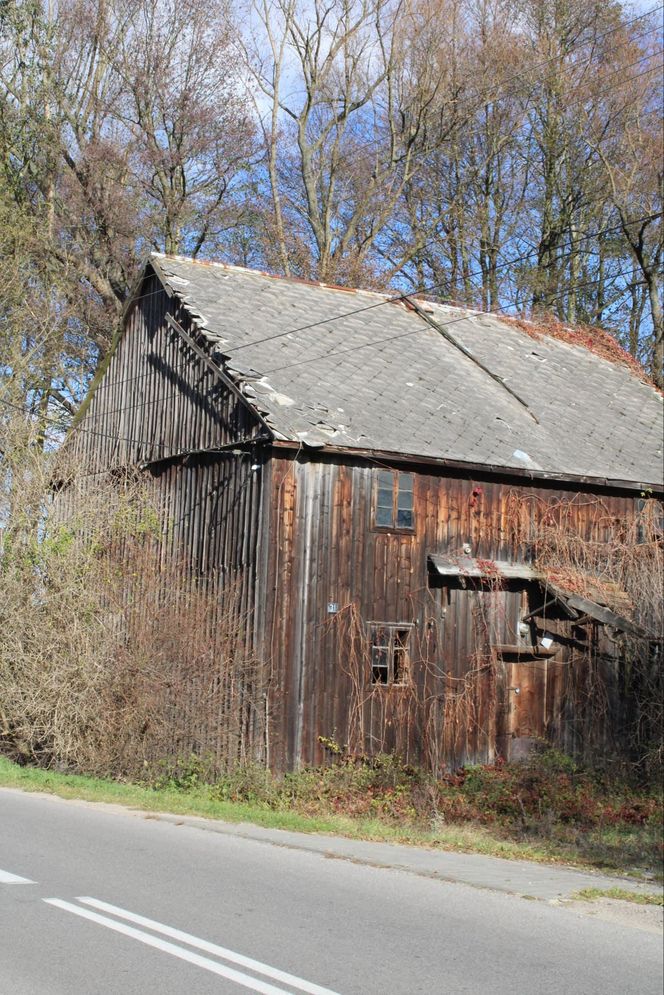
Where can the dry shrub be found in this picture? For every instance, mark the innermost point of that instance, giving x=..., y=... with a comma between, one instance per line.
x=548, y=799
x=596, y=340
x=619, y=562
x=182, y=679
x=113, y=655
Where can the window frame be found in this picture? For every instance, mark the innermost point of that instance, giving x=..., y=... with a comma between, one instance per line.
x=397, y=497
x=396, y=645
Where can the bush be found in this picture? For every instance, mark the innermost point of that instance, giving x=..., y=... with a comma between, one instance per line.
x=111, y=658
x=548, y=796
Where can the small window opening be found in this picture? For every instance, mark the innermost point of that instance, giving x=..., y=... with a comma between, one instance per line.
x=389, y=654
x=393, y=507
x=640, y=531
x=649, y=520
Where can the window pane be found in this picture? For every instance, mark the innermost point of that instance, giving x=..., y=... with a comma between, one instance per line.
x=405, y=500
x=384, y=499
x=404, y=519
x=379, y=674
x=384, y=516
x=389, y=654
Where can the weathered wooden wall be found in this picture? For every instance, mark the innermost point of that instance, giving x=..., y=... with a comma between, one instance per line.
x=157, y=398
x=458, y=706
x=161, y=409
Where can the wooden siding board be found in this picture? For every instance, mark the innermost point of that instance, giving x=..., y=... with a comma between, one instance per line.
x=385, y=576
x=158, y=399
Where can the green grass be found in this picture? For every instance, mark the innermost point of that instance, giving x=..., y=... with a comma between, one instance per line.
x=199, y=800
x=620, y=894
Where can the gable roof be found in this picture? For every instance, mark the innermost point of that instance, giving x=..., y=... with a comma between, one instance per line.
x=374, y=375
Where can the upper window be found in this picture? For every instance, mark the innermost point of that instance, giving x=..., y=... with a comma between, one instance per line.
x=393, y=508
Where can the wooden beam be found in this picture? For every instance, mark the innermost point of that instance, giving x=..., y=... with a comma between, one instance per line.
x=210, y=363
x=604, y=615
x=243, y=446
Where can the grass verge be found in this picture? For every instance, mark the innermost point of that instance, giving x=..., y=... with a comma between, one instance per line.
x=198, y=802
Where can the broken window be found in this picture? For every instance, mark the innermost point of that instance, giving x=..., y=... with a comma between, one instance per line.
x=649, y=520
x=393, y=507
x=389, y=653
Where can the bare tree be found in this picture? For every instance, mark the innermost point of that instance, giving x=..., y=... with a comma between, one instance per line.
x=463, y=205
x=189, y=134
x=125, y=119
x=501, y=152
x=346, y=126
x=625, y=132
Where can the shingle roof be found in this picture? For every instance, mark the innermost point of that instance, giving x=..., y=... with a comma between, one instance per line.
x=383, y=379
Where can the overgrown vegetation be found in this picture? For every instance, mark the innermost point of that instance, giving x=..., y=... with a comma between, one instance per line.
x=113, y=653
x=619, y=562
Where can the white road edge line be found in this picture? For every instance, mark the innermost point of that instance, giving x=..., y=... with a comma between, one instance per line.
x=170, y=948
x=209, y=948
x=7, y=878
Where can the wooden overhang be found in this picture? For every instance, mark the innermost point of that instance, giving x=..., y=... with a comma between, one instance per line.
x=574, y=605
x=585, y=607
x=468, y=566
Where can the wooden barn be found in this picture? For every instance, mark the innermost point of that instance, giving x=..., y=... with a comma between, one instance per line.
x=383, y=482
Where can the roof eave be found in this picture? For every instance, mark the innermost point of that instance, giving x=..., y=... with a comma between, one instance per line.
x=605, y=483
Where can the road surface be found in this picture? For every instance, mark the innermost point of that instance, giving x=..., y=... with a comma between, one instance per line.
x=97, y=901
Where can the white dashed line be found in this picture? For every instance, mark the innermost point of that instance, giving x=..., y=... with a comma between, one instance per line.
x=247, y=981
x=7, y=878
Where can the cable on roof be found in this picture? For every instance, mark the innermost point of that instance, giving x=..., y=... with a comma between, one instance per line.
x=414, y=306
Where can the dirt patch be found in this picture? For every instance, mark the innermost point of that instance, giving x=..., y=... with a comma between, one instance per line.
x=647, y=917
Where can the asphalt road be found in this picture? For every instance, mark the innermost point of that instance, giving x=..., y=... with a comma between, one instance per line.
x=94, y=901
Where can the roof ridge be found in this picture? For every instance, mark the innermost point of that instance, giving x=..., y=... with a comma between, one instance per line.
x=216, y=263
